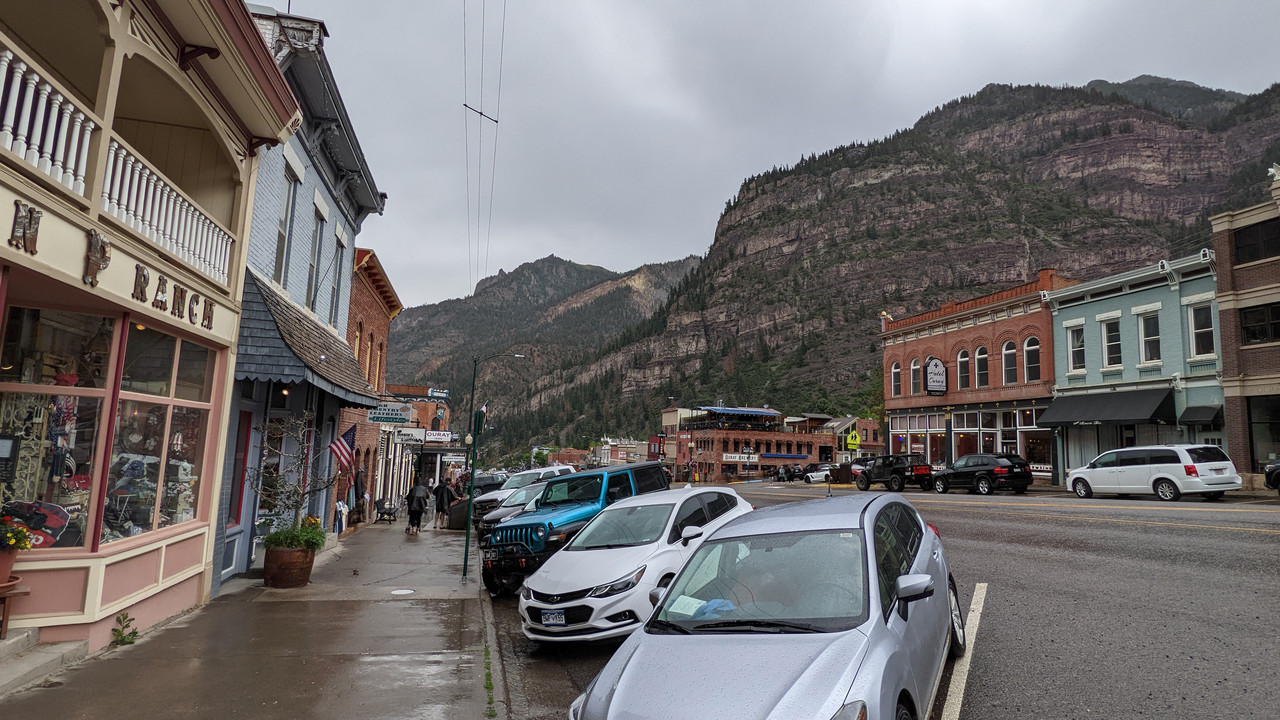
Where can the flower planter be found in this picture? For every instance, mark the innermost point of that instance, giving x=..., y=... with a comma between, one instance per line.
x=287, y=567
x=7, y=559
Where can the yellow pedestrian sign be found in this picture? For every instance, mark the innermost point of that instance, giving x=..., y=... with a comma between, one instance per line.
x=854, y=441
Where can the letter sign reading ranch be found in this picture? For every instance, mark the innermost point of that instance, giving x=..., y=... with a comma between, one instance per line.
x=391, y=413
x=935, y=377
x=185, y=304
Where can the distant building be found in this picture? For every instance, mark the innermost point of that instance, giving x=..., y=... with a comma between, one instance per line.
x=723, y=443
x=438, y=456
x=1135, y=359
x=1247, y=245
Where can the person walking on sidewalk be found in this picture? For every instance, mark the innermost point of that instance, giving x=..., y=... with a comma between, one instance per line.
x=419, y=502
x=445, y=496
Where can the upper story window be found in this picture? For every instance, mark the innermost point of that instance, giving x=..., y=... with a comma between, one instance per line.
x=895, y=380
x=1009, y=362
x=1111, y=344
x=335, y=303
x=1075, y=345
x=980, y=359
x=962, y=370
x=285, y=230
x=1149, y=337
x=1031, y=359
x=915, y=376
x=1257, y=242
x=313, y=269
x=359, y=342
x=1260, y=324
x=1202, y=330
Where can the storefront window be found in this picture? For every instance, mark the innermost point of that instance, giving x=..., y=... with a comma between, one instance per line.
x=148, y=362
x=47, y=451
x=182, y=471
x=134, y=475
x=195, y=373
x=53, y=347
x=1264, y=429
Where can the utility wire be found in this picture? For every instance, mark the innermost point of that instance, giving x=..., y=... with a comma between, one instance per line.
x=466, y=127
x=493, y=159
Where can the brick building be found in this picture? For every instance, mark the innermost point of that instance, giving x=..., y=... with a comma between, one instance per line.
x=973, y=376
x=442, y=452
x=721, y=443
x=374, y=304
x=1247, y=245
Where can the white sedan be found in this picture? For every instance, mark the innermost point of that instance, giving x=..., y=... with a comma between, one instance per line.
x=598, y=585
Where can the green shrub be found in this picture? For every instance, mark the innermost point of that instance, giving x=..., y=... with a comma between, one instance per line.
x=309, y=538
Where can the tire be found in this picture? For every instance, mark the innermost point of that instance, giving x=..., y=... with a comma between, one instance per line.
x=1081, y=488
x=1020, y=490
x=863, y=483
x=895, y=483
x=1166, y=490
x=903, y=713
x=958, y=640
x=492, y=583
x=1215, y=495
x=983, y=486
x=807, y=481
x=940, y=486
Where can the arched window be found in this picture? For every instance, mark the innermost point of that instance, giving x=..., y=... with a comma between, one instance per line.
x=962, y=370
x=980, y=359
x=1009, y=362
x=915, y=376
x=895, y=380
x=1031, y=359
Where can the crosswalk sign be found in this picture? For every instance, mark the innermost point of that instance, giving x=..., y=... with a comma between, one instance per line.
x=854, y=441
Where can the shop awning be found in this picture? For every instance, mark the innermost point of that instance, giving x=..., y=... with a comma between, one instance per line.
x=759, y=412
x=281, y=343
x=784, y=456
x=1200, y=415
x=1133, y=407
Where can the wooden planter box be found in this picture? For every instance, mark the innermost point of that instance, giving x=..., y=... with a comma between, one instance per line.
x=287, y=567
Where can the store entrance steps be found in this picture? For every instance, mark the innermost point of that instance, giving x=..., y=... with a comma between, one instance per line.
x=24, y=661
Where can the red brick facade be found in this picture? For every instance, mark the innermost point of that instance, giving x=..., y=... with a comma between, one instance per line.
x=960, y=334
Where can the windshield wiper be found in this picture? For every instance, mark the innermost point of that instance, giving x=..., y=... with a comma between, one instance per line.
x=610, y=546
x=666, y=626
x=773, y=625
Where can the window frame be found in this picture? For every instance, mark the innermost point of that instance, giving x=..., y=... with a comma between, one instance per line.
x=1145, y=341
x=895, y=380
x=1106, y=328
x=962, y=370
x=1009, y=362
x=1270, y=324
x=1197, y=332
x=284, y=236
x=313, y=269
x=1030, y=345
x=1076, y=348
x=917, y=385
x=1259, y=241
x=981, y=367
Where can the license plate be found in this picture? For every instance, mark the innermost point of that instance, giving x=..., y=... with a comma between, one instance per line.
x=1219, y=471
x=492, y=554
x=553, y=617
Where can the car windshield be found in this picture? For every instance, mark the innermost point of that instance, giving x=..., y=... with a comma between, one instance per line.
x=1207, y=454
x=787, y=582
x=519, y=480
x=585, y=488
x=521, y=496
x=627, y=526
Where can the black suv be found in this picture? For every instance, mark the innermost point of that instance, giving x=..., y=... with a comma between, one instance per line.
x=1271, y=475
x=985, y=473
x=895, y=471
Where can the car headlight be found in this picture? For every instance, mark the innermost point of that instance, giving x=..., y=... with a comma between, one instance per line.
x=620, y=585
x=540, y=531
x=856, y=710
x=525, y=592
x=575, y=708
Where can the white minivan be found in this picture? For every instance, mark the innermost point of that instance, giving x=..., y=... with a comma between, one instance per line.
x=1169, y=471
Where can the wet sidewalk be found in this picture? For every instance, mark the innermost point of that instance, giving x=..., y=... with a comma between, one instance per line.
x=384, y=630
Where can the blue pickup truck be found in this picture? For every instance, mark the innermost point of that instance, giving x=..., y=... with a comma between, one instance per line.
x=518, y=547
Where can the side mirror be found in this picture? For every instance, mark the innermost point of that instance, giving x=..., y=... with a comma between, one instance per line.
x=655, y=595
x=688, y=533
x=911, y=588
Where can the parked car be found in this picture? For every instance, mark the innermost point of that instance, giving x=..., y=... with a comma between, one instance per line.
x=984, y=473
x=819, y=473
x=833, y=608
x=1271, y=474
x=895, y=471
x=517, y=548
x=579, y=594
x=484, y=483
x=1169, y=471
x=484, y=504
x=511, y=506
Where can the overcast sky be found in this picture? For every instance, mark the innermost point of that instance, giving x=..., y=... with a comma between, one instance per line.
x=625, y=125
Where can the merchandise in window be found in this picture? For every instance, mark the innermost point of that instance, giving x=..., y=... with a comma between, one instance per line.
x=133, y=478
x=54, y=347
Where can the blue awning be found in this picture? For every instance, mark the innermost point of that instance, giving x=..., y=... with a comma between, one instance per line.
x=759, y=412
x=784, y=456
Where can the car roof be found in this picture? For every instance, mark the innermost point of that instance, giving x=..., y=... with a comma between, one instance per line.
x=672, y=496
x=844, y=511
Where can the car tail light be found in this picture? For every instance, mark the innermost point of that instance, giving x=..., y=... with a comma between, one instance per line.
x=1001, y=470
x=1191, y=471
x=934, y=528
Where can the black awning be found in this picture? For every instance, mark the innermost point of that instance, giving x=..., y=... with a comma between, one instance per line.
x=1134, y=407
x=1200, y=415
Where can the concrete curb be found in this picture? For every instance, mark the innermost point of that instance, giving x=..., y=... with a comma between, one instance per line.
x=501, y=696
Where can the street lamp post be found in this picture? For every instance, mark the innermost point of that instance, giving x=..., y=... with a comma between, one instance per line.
x=474, y=443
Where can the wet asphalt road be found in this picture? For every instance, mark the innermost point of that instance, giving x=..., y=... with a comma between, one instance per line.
x=1099, y=608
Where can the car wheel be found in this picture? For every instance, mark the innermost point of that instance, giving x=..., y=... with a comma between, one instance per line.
x=1020, y=490
x=958, y=645
x=1167, y=490
x=895, y=483
x=863, y=483
x=940, y=486
x=492, y=583
x=807, y=481
x=984, y=486
x=1082, y=488
x=903, y=713
x=1216, y=495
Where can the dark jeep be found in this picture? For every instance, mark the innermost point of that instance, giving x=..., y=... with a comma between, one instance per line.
x=895, y=471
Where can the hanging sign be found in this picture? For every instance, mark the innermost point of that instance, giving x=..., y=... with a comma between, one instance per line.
x=437, y=394
x=391, y=413
x=410, y=436
x=438, y=436
x=935, y=377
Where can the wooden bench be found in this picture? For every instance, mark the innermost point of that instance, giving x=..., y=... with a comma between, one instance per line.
x=18, y=591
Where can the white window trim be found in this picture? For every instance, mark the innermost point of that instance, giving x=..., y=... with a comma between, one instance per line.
x=342, y=235
x=295, y=163
x=1146, y=309
x=1112, y=315
x=1142, y=338
x=1191, y=330
x=1102, y=329
x=322, y=207
x=1074, y=322
x=1199, y=298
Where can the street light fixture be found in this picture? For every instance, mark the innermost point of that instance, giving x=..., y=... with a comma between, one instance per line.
x=474, y=444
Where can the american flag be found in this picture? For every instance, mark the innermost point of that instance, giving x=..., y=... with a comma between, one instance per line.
x=341, y=447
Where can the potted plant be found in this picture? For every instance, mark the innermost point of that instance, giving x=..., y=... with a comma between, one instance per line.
x=291, y=475
x=14, y=536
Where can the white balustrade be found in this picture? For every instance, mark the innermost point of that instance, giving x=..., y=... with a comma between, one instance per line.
x=42, y=124
x=142, y=198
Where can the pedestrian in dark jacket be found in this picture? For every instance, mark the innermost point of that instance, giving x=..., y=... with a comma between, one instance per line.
x=445, y=496
x=419, y=502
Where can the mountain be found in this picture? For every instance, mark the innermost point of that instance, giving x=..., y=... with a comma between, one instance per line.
x=977, y=196
x=550, y=310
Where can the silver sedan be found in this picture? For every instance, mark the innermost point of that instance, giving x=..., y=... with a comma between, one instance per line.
x=834, y=609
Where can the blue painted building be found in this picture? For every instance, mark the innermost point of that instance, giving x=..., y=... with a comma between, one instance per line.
x=313, y=193
x=1136, y=360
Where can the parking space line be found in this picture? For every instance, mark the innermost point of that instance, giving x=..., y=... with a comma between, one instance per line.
x=960, y=671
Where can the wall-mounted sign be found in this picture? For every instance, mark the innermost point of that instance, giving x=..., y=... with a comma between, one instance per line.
x=935, y=377
x=438, y=436
x=437, y=394
x=453, y=458
x=741, y=457
x=410, y=436
x=391, y=413
x=180, y=303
